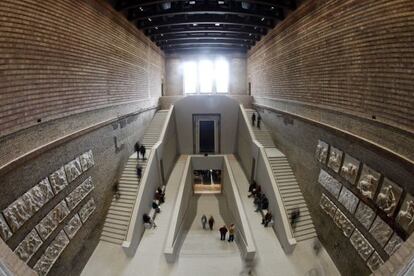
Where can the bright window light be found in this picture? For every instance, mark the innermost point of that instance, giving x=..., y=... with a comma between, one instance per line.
x=190, y=77
x=221, y=67
x=206, y=76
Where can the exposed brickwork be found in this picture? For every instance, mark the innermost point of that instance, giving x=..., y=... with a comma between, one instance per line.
x=62, y=57
x=347, y=55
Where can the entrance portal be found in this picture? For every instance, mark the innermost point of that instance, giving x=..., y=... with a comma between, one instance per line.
x=206, y=136
x=206, y=133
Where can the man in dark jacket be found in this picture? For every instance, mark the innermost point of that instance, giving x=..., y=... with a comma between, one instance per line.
x=211, y=222
x=142, y=150
x=223, y=232
x=253, y=118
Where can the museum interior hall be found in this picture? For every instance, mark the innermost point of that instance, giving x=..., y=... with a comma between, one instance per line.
x=206, y=137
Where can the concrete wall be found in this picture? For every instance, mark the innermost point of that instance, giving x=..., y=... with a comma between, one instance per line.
x=174, y=73
x=345, y=63
x=226, y=107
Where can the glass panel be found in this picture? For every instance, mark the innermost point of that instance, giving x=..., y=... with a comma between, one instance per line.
x=222, y=75
x=206, y=76
x=190, y=77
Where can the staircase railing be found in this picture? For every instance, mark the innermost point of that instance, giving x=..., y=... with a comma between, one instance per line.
x=265, y=178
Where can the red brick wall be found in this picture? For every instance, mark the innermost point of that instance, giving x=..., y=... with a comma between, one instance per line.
x=62, y=57
x=352, y=56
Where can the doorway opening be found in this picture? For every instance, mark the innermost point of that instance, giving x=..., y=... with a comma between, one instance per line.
x=206, y=136
x=207, y=181
x=206, y=129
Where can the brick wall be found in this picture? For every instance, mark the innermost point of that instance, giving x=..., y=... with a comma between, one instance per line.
x=355, y=57
x=63, y=57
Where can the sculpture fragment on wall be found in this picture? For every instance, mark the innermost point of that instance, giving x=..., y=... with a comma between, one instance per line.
x=22, y=209
x=28, y=247
x=79, y=193
x=52, y=220
x=335, y=159
x=87, y=209
x=350, y=169
x=348, y=200
x=321, y=152
x=73, y=226
x=329, y=183
x=53, y=251
x=365, y=215
x=381, y=231
x=361, y=245
x=73, y=169
x=328, y=206
x=58, y=180
x=375, y=262
x=344, y=223
x=368, y=182
x=405, y=216
x=5, y=232
x=86, y=160
x=393, y=245
x=388, y=197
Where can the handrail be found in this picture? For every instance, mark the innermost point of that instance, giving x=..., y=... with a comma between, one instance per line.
x=285, y=222
x=133, y=219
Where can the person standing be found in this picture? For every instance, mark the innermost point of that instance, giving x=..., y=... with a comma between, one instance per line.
x=253, y=118
x=204, y=221
x=139, y=172
x=232, y=228
x=223, y=232
x=142, y=150
x=267, y=218
x=211, y=222
x=137, y=146
x=294, y=216
x=259, y=119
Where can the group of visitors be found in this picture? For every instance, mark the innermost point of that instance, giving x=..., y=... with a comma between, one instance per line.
x=140, y=149
x=259, y=119
x=294, y=217
x=210, y=222
x=159, y=198
x=223, y=230
x=261, y=202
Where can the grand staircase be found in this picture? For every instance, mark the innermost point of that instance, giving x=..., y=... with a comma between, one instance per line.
x=119, y=214
x=286, y=181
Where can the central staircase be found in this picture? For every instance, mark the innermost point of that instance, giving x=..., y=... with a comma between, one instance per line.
x=119, y=214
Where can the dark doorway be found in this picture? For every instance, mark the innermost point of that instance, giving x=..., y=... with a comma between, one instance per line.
x=206, y=136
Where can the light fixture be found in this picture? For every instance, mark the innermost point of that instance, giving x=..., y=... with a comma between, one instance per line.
x=272, y=8
x=245, y=5
x=156, y=28
x=141, y=9
x=217, y=24
x=221, y=2
x=262, y=19
x=149, y=19
x=166, y=5
x=250, y=34
x=194, y=24
x=192, y=2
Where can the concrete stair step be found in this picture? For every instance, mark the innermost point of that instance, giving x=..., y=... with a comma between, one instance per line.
x=117, y=217
x=122, y=204
x=116, y=234
x=288, y=189
x=129, y=189
x=120, y=208
x=286, y=182
x=111, y=240
x=305, y=236
x=291, y=194
x=123, y=200
x=119, y=213
x=111, y=221
x=293, y=204
x=129, y=186
x=119, y=227
x=303, y=225
x=297, y=199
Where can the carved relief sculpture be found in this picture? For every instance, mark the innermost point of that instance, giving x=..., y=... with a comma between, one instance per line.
x=388, y=197
x=58, y=180
x=52, y=220
x=28, y=204
x=87, y=209
x=335, y=159
x=86, y=160
x=73, y=226
x=79, y=193
x=380, y=231
x=348, y=200
x=405, y=216
x=53, y=251
x=329, y=183
x=350, y=169
x=28, y=247
x=375, y=262
x=344, y=223
x=361, y=245
x=5, y=232
x=393, y=245
x=368, y=182
x=73, y=169
x=321, y=152
x=365, y=215
x=328, y=206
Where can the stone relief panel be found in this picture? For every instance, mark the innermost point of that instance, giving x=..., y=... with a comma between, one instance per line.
x=28, y=247
x=58, y=180
x=393, y=245
x=388, y=197
x=328, y=206
x=375, y=262
x=52, y=220
x=365, y=215
x=405, y=216
x=344, y=223
x=348, y=200
x=321, y=152
x=22, y=209
x=73, y=169
x=381, y=231
x=5, y=232
x=329, y=183
x=361, y=245
x=87, y=210
x=73, y=226
x=86, y=160
x=368, y=182
x=79, y=193
x=53, y=251
x=335, y=159
x=350, y=169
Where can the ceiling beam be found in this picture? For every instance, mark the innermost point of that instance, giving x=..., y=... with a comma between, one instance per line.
x=205, y=44
x=194, y=30
x=198, y=37
x=206, y=41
